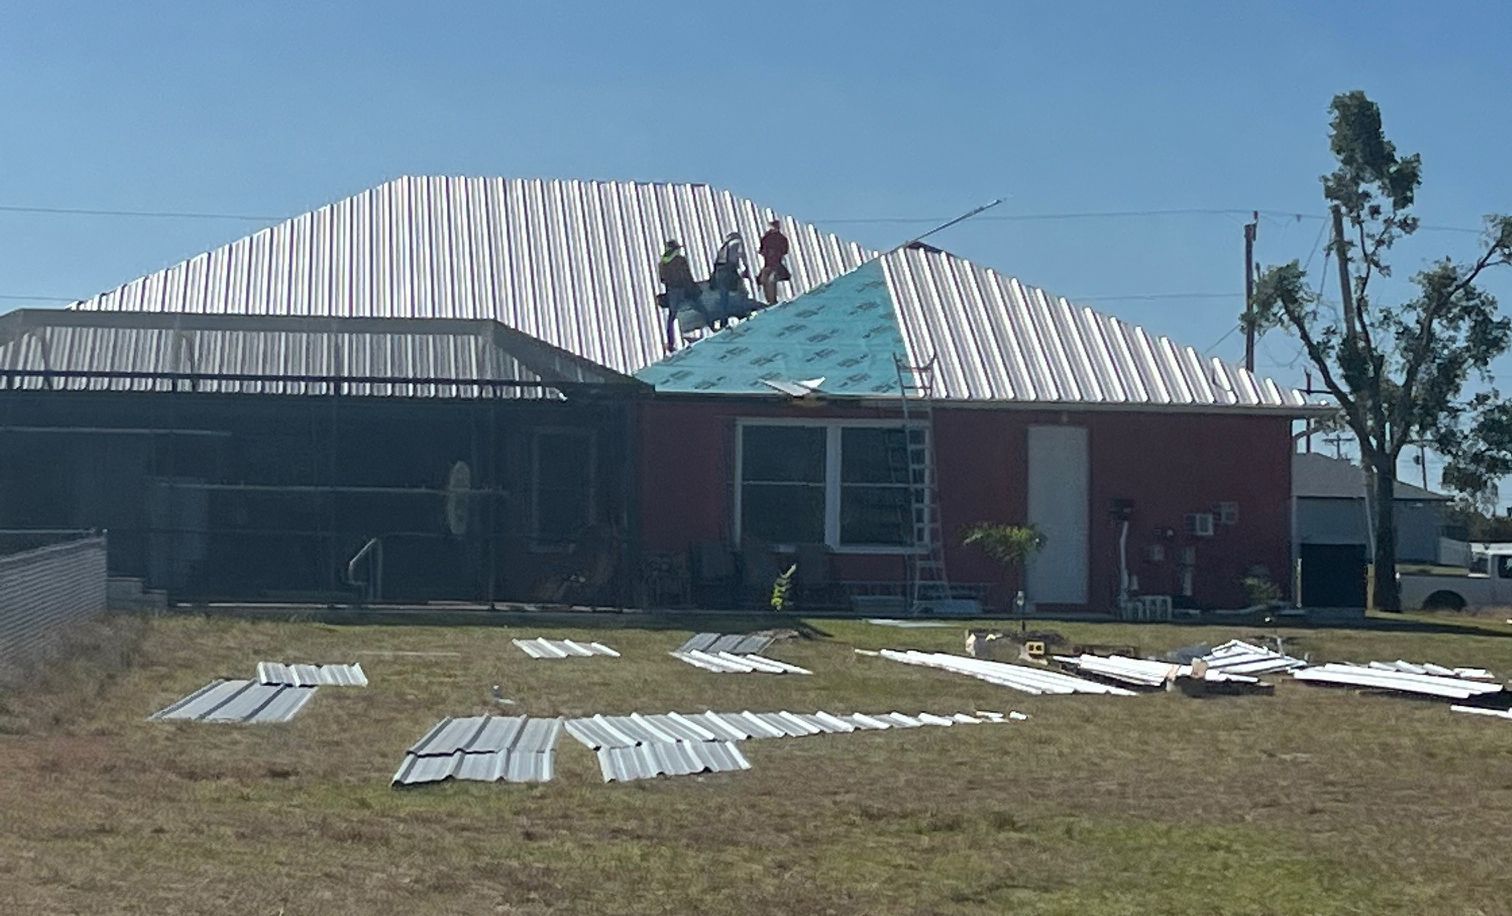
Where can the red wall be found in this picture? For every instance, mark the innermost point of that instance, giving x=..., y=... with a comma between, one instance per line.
x=1169, y=464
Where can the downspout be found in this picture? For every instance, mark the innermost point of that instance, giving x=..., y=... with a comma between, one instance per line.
x=1123, y=564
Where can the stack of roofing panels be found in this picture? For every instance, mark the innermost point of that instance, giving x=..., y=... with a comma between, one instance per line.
x=1143, y=672
x=483, y=748
x=1472, y=674
x=908, y=624
x=311, y=675
x=562, y=648
x=1024, y=678
x=1239, y=657
x=734, y=643
x=643, y=746
x=239, y=701
x=1400, y=682
x=731, y=662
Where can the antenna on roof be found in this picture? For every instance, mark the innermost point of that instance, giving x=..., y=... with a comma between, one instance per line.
x=959, y=219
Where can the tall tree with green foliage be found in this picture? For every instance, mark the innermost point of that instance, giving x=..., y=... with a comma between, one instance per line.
x=1399, y=371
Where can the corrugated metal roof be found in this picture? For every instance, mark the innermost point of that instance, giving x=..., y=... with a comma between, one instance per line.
x=238, y=701
x=991, y=338
x=485, y=749
x=541, y=647
x=570, y=262
x=311, y=675
x=43, y=348
x=573, y=263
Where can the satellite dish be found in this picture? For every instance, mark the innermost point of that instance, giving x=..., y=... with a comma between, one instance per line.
x=458, y=493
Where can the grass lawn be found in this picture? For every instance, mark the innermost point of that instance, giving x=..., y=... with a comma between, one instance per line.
x=1311, y=801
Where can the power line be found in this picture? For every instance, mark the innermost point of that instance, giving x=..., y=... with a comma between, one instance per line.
x=854, y=220
x=1111, y=214
x=151, y=214
x=1150, y=296
x=1227, y=334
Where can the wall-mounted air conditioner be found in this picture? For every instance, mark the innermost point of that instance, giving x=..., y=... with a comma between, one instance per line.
x=1200, y=524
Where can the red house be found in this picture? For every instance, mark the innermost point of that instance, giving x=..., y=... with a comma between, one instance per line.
x=1148, y=469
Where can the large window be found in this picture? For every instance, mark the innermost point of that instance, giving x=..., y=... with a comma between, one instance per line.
x=563, y=470
x=841, y=484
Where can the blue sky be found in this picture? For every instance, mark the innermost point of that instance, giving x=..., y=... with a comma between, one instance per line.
x=833, y=111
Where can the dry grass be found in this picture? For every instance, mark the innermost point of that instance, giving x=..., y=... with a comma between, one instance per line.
x=1313, y=800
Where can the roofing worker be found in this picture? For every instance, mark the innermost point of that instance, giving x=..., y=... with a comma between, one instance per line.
x=730, y=265
x=682, y=289
x=774, y=247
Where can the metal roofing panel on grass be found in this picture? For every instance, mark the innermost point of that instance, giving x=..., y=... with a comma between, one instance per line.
x=238, y=701
x=541, y=647
x=1024, y=678
x=1422, y=684
x=311, y=675
x=485, y=749
x=670, y=758
x=736, y=643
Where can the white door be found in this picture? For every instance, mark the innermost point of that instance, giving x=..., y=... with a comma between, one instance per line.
x=1058, y=507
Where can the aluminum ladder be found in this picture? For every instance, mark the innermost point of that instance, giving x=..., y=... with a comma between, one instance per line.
x=928, y=585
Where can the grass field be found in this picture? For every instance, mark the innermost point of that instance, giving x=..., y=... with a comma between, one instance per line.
x=1310, y=801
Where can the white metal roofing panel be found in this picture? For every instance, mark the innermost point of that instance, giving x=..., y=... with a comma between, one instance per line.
x=1019, y=677
x=1425, y=684
x=1239, y=657
x=670, y=758
x=570, y=262
x=311, y=675
x=996, y=339
x=541, y=647
x=202, y=700
x=483, y=748
x=239, y=701
x=1481, y=711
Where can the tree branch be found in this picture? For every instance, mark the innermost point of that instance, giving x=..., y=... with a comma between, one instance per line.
x=1422, y=345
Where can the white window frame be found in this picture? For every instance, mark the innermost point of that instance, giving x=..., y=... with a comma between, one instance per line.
x=832, y=481
x=591, y=443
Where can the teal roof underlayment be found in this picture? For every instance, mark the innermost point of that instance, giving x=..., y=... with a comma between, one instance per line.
x=845, y=332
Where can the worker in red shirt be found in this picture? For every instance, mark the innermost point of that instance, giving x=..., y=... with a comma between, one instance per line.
x=774, y=247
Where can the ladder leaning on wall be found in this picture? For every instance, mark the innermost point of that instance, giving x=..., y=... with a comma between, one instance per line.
x=928, y=585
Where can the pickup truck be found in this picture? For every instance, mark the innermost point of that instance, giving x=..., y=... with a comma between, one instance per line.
x=1487, y=583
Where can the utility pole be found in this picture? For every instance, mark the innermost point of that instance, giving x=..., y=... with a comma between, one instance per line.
x=1250, y=229
x=1346, y=292
x=1307, y=374
x=1423, y=461
x=1337, y=441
